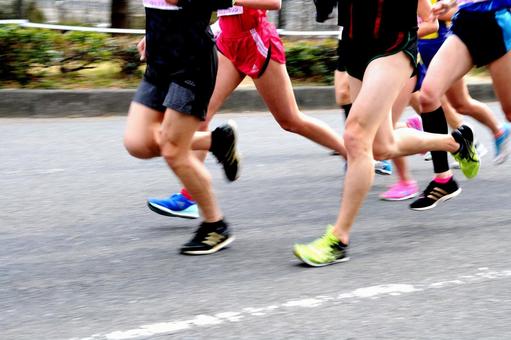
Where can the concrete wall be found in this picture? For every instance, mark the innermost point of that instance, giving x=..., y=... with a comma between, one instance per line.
x=84, y=103
x=295, y=14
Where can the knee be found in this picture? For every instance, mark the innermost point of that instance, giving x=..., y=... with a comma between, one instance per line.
x=290, y=124
x=429, y=100
x=462, y=107
x=382, y=152
x=342, y=97
x=173, y=154
x=139, y=148
x=356, y=142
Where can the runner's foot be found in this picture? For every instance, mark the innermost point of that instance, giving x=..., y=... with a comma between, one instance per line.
x=400, y=191
x=436, y=193
x=223, y=146
x=209, y=238
x=323, y=251
x=176, y=205
x=467, y=155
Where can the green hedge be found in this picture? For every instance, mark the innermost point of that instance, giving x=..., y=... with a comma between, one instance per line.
x=27, y=54
x=22, y=50
x=313, y=60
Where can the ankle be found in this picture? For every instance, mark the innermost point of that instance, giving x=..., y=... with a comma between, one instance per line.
x=186, y=194
x=341, y=237
x=500, y=132
x=216, y=224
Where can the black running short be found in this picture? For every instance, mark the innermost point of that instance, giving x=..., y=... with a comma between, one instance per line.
x=487, y=35
x=188, y=92
x=341, y=63
x=359, y=53
x=181, y=62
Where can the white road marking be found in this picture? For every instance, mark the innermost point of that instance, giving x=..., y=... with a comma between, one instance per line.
x=32, y=171
x=372, y=292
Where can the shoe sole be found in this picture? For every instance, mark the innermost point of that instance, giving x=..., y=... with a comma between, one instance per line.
x=216, y=248
x=314, y=264
x=383, y=172
x=442, y=199
x=400, y=198
x=167, y=212
x=503, y=156
x=234, y=128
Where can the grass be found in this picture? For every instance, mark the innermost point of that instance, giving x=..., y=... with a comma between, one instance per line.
x=103, y=75
x=108, y=75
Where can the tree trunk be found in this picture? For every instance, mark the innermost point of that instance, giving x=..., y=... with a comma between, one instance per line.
x=120, y=14
x=281, y=19
x=18, y=8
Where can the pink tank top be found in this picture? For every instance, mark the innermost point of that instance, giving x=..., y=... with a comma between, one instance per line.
x=239, y=19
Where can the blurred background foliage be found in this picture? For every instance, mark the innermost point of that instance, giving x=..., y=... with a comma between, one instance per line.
x=37, y=58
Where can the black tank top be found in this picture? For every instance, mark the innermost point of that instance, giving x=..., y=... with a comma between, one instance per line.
x=373, y=19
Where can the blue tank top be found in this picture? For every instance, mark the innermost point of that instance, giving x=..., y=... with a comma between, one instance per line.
x=482, y=6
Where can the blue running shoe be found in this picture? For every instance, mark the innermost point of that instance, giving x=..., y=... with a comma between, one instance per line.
x=176, y=205
x=383, y=167
x=502, y=145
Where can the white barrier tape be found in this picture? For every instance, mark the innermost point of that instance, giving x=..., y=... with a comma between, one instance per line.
x=26, y=23
x=308, y=33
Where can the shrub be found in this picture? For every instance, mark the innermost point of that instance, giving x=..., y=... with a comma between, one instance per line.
x=125, y=52
x=23, y=50
x=25, y=53
x=79, y=50
x=312, y=60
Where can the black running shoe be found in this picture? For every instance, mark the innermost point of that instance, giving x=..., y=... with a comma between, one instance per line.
x=223, y=147
x=209, y=238
x=435, y=193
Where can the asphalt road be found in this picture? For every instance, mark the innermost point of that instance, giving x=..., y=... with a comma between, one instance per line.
x=81, y=256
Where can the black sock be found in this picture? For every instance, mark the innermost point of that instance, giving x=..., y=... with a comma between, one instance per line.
x=346, y=108
x=435, y=122
x=215, y=225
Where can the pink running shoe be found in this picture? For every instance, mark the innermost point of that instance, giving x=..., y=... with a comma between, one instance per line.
x=414, y=122
x=401, y=191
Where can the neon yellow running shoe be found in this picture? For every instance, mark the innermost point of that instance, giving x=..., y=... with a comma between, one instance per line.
x=323, y=251
x=467, y=155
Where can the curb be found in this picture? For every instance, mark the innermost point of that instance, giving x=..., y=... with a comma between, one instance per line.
x=94, y=103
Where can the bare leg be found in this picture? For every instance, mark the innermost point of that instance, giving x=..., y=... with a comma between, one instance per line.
x=142, y=133
x=342, y=88
x=415, y=102
x=454, y=119
x=403, y=172
x=460, y=99
x=275, y=88
x=500, y=71
x=383, y=81
x=175, y=143
x=450, y=64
